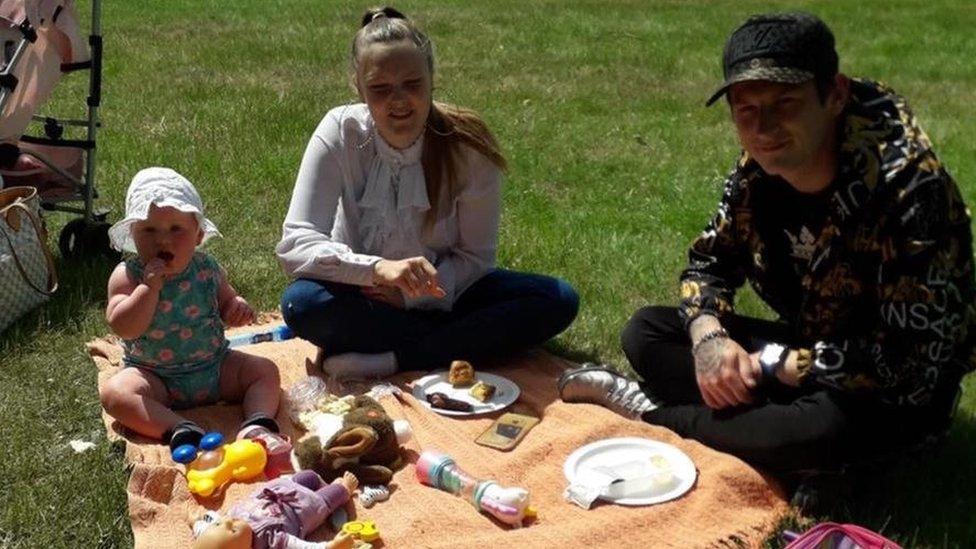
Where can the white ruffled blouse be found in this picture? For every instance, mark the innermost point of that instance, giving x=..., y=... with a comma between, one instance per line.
x=358, y=200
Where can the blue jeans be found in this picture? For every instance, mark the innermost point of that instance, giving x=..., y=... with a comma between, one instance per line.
x=504, y=311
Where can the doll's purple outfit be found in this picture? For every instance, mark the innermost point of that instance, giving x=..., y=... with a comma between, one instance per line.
x=288, y=508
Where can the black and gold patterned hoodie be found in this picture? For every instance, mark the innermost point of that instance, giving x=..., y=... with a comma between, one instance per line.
x=887, y=304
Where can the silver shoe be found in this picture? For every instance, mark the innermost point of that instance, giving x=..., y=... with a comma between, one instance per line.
x=604, y=386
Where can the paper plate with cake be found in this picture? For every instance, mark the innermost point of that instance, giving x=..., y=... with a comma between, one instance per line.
x=628, y=471
x=462, y=391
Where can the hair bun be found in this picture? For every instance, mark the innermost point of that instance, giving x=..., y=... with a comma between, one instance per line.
x=373, y=14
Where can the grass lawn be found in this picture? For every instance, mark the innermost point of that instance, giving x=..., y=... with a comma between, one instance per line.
x=615, y=167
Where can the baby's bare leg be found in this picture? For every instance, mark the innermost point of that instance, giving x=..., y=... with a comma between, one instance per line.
x=251, y=380
x=139, y=400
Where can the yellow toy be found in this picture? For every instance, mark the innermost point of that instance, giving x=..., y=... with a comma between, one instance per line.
x=361, y=529
x=242, y=460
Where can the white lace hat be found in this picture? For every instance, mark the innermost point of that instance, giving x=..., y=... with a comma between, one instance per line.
x=162, y=187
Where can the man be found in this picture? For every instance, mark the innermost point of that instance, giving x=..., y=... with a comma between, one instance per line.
x=846, y=224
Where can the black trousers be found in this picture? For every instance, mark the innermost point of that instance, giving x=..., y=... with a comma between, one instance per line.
x=785, y=429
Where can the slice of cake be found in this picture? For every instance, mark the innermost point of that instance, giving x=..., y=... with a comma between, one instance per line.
x=482, y=391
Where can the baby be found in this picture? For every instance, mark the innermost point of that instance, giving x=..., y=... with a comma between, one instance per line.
x=169, y=304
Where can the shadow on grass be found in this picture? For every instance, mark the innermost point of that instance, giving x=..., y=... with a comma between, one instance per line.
x=81, y=284
x=578, y=356
x=923, y=499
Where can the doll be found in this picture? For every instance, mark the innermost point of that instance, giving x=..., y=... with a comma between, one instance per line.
x=279, y=515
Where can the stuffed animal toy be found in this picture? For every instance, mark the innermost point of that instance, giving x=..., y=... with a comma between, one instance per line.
x=351, y=434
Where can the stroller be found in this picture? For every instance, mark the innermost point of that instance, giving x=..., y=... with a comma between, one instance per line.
x=40, y=40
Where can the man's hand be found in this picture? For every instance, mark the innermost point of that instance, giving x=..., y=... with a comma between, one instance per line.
x=385, y=294
x=237, y=312
x=726, y=374
x=154, y=274
x=414, y=276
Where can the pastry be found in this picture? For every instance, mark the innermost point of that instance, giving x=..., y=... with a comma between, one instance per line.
x=461, y=374
x=482, y=391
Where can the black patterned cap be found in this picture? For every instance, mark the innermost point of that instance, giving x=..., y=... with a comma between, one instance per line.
x=778, y=47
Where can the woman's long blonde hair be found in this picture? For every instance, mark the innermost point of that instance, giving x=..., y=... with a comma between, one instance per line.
x=448, y=126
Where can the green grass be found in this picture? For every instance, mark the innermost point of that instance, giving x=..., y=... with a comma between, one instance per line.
x=615, y=166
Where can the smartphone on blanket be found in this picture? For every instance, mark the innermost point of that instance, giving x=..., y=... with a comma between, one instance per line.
x=507, y=431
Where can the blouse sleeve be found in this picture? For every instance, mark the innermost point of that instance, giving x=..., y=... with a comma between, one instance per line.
x=307, y=247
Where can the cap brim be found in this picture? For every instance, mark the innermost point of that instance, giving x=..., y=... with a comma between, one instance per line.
x=782, y=75
x=718, y=93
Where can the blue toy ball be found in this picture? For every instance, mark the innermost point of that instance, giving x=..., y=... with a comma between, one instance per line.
x=211, y=441
x=186, y=453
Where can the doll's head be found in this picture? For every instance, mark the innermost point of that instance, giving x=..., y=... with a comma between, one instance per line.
x=211, y=531
x=163, y=219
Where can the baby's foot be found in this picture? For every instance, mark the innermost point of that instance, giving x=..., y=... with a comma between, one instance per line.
x=348, y=481
x=184, y=433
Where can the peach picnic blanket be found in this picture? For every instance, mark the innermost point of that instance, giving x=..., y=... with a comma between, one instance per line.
x=730, y=505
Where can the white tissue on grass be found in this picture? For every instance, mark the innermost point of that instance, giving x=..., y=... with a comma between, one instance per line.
x=80, y=446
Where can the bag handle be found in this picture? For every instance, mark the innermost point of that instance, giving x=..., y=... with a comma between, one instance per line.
x=11, y=195
x=52, y=278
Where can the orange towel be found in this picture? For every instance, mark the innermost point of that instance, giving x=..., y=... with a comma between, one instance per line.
x=730, y=505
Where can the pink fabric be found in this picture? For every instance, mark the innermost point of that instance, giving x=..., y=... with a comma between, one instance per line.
x=830, y=535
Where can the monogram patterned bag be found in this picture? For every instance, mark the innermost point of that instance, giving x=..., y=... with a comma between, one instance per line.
x=27, y=276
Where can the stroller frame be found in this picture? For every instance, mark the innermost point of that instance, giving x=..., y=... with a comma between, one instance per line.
x=89, y=233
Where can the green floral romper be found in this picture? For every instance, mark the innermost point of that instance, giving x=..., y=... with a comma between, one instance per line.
x=184, y=345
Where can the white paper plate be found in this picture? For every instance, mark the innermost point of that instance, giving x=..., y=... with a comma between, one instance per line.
x=618, y=451
x=506, y=393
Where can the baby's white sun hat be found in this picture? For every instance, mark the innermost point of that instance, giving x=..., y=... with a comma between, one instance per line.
x=162, y=187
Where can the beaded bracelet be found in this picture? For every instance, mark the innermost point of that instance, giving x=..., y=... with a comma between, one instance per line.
x=714, y=334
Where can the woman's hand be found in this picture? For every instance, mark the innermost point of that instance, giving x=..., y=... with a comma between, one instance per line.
x=385, y=294
x=414, y=276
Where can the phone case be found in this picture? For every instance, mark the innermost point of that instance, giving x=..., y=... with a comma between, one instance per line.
x=507, y=431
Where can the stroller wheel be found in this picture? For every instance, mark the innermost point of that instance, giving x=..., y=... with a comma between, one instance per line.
x=80, y=240
x=96, y=241
x=71, y=240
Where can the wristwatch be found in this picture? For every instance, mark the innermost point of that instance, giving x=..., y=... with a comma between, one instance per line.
x=772, y=358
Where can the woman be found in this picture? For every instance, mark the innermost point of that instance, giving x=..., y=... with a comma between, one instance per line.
x=393, y=226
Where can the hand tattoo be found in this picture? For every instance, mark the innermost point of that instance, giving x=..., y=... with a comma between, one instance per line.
x=708, y=356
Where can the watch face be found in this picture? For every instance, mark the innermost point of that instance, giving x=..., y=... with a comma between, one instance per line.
x=771, y=354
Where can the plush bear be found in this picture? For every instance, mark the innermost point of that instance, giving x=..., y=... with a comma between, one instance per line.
x=355, y=435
